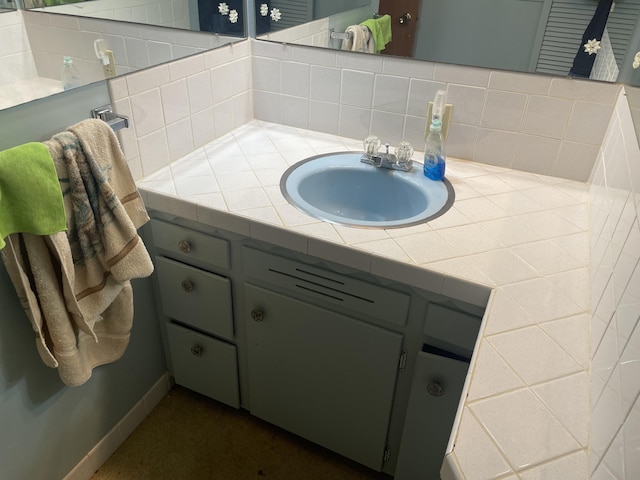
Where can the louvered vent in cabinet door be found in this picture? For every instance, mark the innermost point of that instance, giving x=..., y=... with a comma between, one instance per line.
x=566, y=24
x=294, y=12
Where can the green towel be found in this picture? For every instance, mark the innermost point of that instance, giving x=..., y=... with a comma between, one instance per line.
x=380, y=30
x=30, y=195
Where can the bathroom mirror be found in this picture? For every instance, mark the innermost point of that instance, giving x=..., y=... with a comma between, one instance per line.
x=140, y=33
x=7, y=5
x=519, y=35
x=226, y=17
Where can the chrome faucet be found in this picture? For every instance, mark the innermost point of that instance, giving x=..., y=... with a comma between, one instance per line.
x=401, y=160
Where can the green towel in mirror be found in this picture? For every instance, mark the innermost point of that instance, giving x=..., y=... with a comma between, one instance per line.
x=30, y=194
x=380, y=30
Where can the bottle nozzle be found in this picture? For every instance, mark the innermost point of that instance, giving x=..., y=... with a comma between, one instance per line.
x=438, y=106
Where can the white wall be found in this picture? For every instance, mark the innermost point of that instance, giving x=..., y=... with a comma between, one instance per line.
x=167, y=13
x=615, y=267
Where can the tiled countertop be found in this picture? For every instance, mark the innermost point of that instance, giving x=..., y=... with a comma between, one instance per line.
x=523, y=237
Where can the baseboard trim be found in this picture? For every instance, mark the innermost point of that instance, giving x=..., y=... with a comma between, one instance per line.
x=118, y=434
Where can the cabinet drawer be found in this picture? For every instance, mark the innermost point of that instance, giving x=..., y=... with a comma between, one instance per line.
x=197, y=298
x=188, y=245
x=204, y=364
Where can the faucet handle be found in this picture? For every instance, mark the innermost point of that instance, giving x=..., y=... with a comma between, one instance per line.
x=371, y=145
x=404, y=152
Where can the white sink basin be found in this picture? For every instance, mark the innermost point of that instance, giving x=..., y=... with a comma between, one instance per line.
x=340, y=189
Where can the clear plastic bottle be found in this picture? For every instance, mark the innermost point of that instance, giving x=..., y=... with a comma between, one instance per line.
x=434, y=157
x=70, y=77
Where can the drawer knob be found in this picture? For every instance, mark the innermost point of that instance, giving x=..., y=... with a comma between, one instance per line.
x=188, y=286
x=257, y=315
x=184, y=246
x=197, y=350
x=435, y=389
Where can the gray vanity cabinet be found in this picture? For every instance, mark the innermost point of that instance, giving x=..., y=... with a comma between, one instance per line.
x=321, y=375
x=198, y=305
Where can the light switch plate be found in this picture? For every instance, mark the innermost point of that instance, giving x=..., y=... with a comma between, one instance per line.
x=110, y=68
x=446, y=119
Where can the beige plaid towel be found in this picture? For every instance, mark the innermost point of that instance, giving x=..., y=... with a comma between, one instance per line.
x=75, y=285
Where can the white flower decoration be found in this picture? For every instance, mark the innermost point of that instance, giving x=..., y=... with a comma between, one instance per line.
x=264, y=9
x=233, y=16
x=592, y=46
x=223, y=8
x=275, y=14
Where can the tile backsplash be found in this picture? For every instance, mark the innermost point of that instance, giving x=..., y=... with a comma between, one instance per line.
x=180, y=106
x=615, y=325
x=540, y=124
x=16, y=61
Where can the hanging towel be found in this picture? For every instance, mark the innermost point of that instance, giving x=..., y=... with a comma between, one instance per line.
x=75, y=286
x=380, y=31
x=359, y=39
x=586, y=55
x=30, y=196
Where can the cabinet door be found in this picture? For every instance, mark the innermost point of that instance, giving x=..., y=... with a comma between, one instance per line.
x=324, y=376
x=433, y=402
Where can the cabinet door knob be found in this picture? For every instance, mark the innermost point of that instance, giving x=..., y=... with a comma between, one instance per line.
x=188, y=286
x=184, y=246
x=435, y=389
x=197, y=350
x=257, y=315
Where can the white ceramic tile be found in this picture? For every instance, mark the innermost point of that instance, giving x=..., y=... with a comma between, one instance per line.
x=189, y=186
x=574, y=466
x=574, y=284
x=147, y=112
x=248, y=198
x=588, y=122
x=426, y=247
x=468, y=239
x=572, y=334
x=199, y=88
x=357, y=88
x=515, y=203
x=606, y=419
x=546, y=257
x=390, y=93
x=551, y=196
x=546, y=116
x=461, y=268
x=631, y=440
x=480, y=209
x=536, y=154
x=240, y=180
x=495, y=147
x=524, y=429
x=568, y=399
x=534, y=355
x=630, y=371
x=491, y=374
x=541, y=300
x=502, y=266
x=477, y=456
x=503, y=110
x=385, y=248
x=505, y=314
x=175, y=100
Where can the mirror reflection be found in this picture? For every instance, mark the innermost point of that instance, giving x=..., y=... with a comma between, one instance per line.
x=543, y=36
x=45, y=53
x=224, y=17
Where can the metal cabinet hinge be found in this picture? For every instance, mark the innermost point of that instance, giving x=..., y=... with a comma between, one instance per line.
x=387, y=455
x=403, y=361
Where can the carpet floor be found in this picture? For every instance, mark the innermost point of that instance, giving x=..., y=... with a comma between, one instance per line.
x=189, y=436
